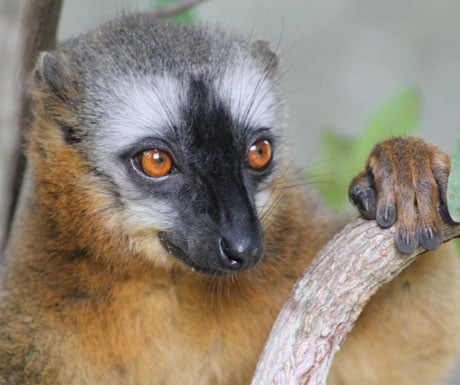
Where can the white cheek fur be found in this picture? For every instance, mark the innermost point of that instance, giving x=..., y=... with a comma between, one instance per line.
x=263, y=199
x=150, y=214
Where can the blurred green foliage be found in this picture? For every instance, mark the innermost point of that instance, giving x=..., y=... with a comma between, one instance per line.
x=184, y=17
x=453, y=187
x=344, y=156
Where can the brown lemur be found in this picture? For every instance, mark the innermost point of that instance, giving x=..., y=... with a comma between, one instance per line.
x=161, y=225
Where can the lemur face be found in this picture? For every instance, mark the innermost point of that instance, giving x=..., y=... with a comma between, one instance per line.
x=191, y=152
x=195, y=157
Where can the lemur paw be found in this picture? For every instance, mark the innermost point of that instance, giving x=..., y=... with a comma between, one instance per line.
x=405, y=183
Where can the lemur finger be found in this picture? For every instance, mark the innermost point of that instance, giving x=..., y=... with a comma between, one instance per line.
x=407, y=236
x=427, y=198
x=418, y=197
x=386, y=206
x=380, y=164
x=398, y=198
x=362, y=194
x=441, y=171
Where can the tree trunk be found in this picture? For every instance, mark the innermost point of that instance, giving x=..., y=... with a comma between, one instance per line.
x=10, y=58
x=39, y=22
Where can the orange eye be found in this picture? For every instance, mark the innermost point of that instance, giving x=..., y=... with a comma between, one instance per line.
x=260, y=154
x=155, y=163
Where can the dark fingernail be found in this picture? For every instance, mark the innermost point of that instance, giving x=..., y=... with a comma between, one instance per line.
x=365, y=201
x=386, y=216
x=406, y=242
x=430, y=239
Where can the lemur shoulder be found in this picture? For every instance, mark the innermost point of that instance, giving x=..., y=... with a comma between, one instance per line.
x=161, y=225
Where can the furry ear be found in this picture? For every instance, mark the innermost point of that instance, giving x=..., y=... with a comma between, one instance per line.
x=52, y=77
x=50, y=74
x=261, y=51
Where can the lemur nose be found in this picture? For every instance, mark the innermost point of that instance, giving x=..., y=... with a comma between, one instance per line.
x=239, y=254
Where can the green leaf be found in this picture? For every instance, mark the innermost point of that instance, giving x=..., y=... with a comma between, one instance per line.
x=342, y=157
x=453, y=186
x=400, y=115
x=183, y=17
x=327, y=175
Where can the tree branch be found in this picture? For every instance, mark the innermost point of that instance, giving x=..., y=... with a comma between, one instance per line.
x=327, y=300
x=175, y=8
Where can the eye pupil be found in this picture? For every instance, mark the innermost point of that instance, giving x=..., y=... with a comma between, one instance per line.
x=157, y=157
x=155, y=163
x=259, y=154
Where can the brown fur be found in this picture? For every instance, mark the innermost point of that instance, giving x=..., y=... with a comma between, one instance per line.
x=83, y=305
x=101, y=314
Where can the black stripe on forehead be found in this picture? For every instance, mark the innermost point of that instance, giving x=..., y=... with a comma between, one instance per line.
x=210, y=127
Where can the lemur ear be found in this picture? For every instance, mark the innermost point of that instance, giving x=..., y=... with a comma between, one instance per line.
x=49, y=73
x=53, y=77
x=261, y=50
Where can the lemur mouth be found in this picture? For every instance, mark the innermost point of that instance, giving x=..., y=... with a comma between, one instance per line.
x=182, y=256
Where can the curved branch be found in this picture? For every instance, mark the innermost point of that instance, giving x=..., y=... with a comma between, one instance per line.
x=327, y=300
x=175, y=8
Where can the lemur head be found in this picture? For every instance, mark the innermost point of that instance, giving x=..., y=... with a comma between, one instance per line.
x=178, y=131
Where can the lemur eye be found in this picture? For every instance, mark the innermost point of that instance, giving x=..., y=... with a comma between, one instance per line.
x=259, y=154
x=154, y=163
